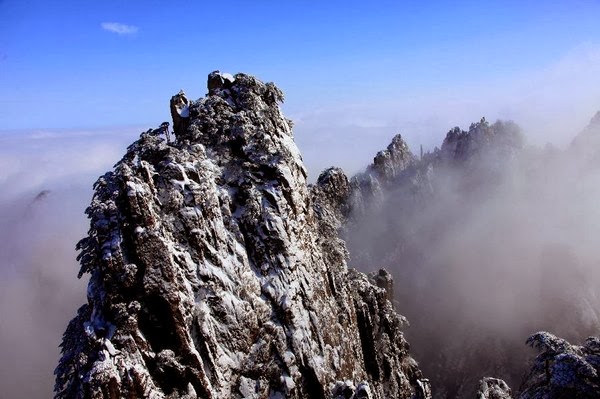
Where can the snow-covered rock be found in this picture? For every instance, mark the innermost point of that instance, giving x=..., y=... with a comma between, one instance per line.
x=493, y=388
x=562, y=370
x=216, y=272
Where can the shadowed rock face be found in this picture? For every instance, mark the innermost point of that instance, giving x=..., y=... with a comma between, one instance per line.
x=216, y=272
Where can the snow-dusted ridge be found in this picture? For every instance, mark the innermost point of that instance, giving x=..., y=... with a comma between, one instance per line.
x=217, y=272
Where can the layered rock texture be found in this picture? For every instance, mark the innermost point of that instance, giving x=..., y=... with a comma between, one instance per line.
x=216, y=272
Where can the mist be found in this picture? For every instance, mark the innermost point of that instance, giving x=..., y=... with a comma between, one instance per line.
x=485, y=253
x=45, y=186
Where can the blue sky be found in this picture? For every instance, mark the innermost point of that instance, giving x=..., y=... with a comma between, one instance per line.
x=419, y=67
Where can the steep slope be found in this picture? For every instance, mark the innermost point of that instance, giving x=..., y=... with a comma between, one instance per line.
x=216, y=272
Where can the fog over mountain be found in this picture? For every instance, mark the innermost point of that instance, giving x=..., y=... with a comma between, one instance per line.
x=485, y=250
x=489, y=240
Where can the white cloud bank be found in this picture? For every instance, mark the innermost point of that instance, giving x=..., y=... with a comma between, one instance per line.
x=118, y=28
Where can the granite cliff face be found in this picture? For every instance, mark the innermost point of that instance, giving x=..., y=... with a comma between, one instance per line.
x=217, y=272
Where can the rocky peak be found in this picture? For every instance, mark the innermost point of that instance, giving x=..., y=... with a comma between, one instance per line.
x=219, y=81
x=482, y=140
x=334, y=190
x=215, y=272
x=389, y=163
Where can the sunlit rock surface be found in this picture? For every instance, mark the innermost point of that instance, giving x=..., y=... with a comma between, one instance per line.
x=216, y=272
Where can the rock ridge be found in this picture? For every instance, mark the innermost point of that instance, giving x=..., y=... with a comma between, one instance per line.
x=217, y=272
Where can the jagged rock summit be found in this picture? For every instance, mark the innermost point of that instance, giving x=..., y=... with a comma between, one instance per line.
x=216, y=272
